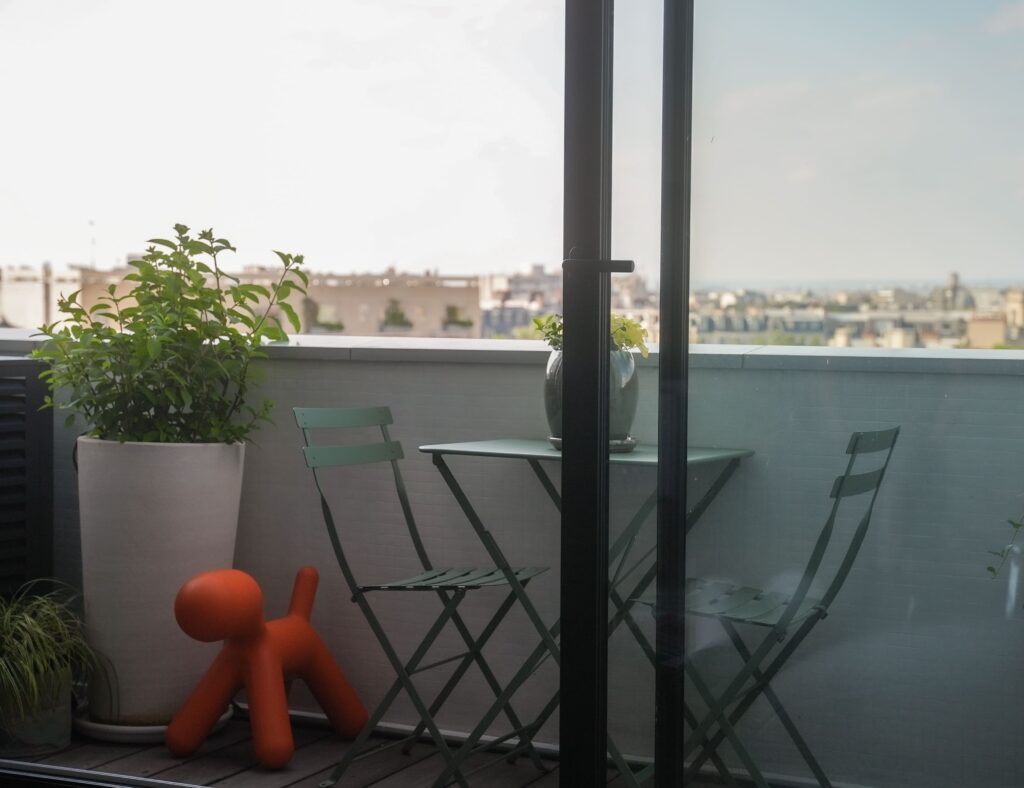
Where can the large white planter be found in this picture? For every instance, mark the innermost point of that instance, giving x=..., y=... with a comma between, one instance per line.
x=152, y=516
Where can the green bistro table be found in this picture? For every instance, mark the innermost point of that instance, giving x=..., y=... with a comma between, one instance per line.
x=536, y=452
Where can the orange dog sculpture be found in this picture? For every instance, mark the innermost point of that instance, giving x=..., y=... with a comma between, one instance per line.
x=228, y=605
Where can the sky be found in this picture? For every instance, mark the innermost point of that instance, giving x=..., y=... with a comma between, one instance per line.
x=831, y=140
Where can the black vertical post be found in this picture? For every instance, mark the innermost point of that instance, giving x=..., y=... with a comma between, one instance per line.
x=583, y=727
x=677, y=116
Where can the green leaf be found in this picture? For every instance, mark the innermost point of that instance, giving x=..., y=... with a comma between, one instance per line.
x=153, y=347
x=293, y=318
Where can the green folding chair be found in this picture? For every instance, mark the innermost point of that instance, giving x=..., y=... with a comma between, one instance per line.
x=788, y=618
x=449, y=584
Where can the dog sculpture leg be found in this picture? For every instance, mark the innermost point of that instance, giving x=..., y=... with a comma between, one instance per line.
x=268, y=709
x=333, y=692
x=204, y=706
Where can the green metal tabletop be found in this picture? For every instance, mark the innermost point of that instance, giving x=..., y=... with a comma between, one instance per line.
x=540, y=449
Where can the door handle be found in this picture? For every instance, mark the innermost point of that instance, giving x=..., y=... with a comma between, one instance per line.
x=599, y=266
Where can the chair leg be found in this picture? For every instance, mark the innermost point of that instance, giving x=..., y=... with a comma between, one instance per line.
x=716, y=759
x=475, y=647
x=716, y=710
x=457, y=675
x=724, y=727
x=355, y=749
x=404, y=681
x=510, y=689
x=763, y=678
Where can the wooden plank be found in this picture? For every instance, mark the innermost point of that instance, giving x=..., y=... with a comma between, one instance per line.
x=312, y=759
x=92, y=755
x=550, y=780
x=75, y=744
x=370, y=769
x=158, y=758
x=229, y=761
x=497, y=775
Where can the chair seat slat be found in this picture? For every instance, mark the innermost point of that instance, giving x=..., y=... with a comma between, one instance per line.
x=724, y=604
x=447, y=577
x=765, y=604
x=745, y=604
x=770, y=619
x=450, y=578
x=525, y=573
x=703, y=591
x=463, y=577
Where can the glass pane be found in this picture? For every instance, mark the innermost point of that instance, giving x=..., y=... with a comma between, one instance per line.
x=636, y=235
x=857, y=187
x=413, y=147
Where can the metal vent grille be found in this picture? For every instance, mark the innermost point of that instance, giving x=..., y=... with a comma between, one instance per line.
x=26, y=470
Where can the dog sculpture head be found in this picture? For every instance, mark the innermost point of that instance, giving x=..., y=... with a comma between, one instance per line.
x=218, y=605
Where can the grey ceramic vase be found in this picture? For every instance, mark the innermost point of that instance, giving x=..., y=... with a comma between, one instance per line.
x=624, y=389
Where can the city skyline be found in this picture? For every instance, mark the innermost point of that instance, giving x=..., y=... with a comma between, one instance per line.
x=873, y=141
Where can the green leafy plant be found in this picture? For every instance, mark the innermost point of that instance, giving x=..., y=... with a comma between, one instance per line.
x=1005, y=552
x=453, y=317
x=626, y=334
x=41, y=640
x=394, y=316
x=170, y=360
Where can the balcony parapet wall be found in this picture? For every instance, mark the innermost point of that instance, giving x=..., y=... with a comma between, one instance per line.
x=907, y=684
x=312, y=347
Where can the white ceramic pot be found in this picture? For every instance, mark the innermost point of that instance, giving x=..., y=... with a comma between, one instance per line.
x=152, y=516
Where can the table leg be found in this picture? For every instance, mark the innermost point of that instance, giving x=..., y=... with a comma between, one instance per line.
x=491, y=546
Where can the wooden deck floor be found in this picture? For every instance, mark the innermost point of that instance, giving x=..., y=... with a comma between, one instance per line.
x=227, y=761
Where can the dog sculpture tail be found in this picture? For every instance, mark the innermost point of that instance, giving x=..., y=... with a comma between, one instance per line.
x=304, y=592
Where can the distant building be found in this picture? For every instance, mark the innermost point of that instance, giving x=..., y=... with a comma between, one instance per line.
x=1014, y=308
x=391, y=303
x=779, y=325
x=901, y=337
x=29, y=294
x=536, y=286
x=953, y=296
x=510, y=302
x=986, y=331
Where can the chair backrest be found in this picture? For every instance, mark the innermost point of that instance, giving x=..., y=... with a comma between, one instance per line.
x=853, y=485
x=323, y=458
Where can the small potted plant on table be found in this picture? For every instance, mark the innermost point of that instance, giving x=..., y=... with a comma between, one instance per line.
x=159, y=369
x=41, y=650
x=624, y=385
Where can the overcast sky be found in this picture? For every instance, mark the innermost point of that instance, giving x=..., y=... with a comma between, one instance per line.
x=831, y=139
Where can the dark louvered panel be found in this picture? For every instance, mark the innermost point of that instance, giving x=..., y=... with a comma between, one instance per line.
x=26, y=470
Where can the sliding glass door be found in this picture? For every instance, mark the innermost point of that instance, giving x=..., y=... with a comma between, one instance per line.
x=624, y=477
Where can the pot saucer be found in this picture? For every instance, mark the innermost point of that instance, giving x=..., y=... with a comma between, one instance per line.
x=623, y=446
x=130, y=734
